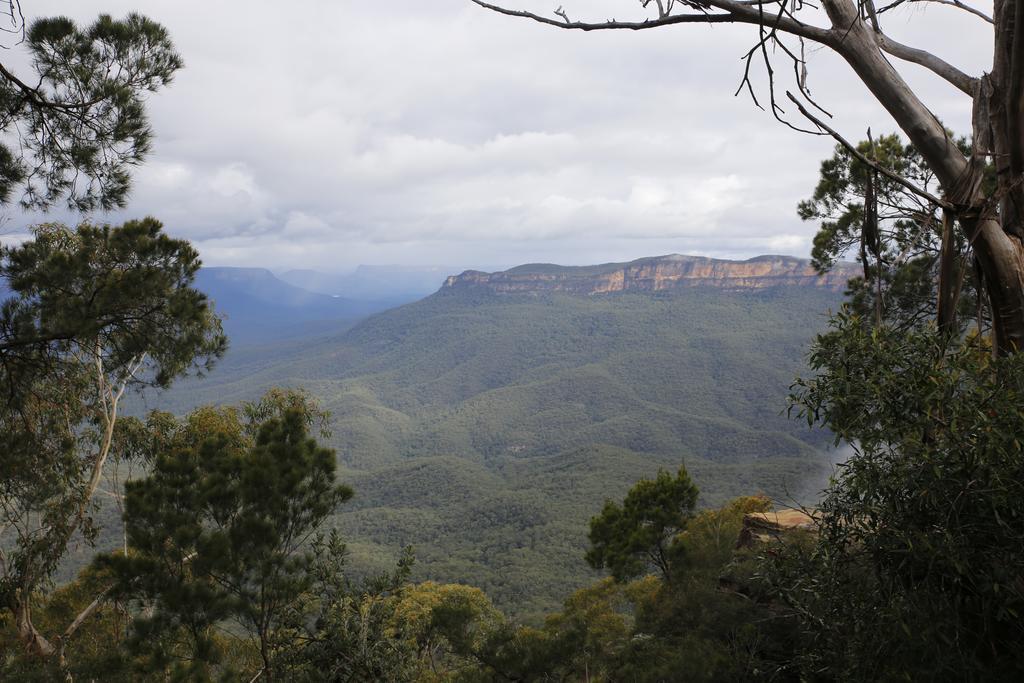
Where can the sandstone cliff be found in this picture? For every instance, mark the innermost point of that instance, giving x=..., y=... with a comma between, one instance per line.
x=764, y=527
x=656, y=274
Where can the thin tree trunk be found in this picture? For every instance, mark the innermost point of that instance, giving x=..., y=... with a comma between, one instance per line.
x=59, y=538
x=947, y=277
x=92, y=608
x=268, y=673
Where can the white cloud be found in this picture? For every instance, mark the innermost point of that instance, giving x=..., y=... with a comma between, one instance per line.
x=340, y=132
x=301, y=224
x=234, y=180
x=164, y=176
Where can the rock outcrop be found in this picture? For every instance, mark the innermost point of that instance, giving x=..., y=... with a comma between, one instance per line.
x=763, y=527
x=656, y=274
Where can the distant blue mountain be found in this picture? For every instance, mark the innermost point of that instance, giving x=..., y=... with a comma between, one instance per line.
x=259, y=307
x=394, y=284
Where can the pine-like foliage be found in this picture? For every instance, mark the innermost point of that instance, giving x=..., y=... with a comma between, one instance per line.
x=643, y=532
x=220, y=532
x=93, y=313
x=78, y=124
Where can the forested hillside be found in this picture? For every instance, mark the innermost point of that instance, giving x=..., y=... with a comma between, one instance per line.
x=487, y=429
x=547, y=473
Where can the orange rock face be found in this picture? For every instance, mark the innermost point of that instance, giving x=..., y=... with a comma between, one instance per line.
x=657, y=274
x=764, y=527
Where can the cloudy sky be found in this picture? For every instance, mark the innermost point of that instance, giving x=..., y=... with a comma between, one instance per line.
x=326, y=134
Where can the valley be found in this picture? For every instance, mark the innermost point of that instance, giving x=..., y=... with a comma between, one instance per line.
x=485, y=425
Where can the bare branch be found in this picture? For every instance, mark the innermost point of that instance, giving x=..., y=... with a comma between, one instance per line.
x=85, y=614
x=940, y=67
x=952, y=3
x=869, y=7
x=16, y=19
x=731, y=12
x=864, y=160
x=611, y=24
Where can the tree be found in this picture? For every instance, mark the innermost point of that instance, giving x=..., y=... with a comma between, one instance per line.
x=594, y=627
x=915, y=568
x=220, y=530
x=908, y=573
x=94, y=648
x=992, y=218
x=447, y=623
x=95, y=312
x=899, y=236
x=651, y=629
x=348, y=631
x=895, y=233
x=90, y=318
x=77, y=132
x=644, y=531
x=706, y=625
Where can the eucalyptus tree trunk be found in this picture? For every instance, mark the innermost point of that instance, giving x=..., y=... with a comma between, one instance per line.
x=993, y=224
x=999, y=126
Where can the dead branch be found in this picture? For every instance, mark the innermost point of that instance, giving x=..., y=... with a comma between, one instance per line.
x=611, y=24
x=781, y=19
x=70, y=631
x=729, y=11
x=952, y=3
x=827, y=130
x=16, y=19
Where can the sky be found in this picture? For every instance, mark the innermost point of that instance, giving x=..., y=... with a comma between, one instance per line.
x=327, y=134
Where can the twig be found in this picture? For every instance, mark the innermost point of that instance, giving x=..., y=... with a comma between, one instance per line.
x=863, y=159
x=951, y=3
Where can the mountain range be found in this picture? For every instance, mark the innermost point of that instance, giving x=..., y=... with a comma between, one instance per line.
x=258, y=307
x=657, y=274
x=486, y=423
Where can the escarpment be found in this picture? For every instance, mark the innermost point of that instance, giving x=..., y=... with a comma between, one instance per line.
x=657, y=274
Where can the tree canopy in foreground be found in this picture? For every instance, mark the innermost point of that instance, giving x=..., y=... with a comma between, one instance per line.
x=94, y=312
x=76, y=121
